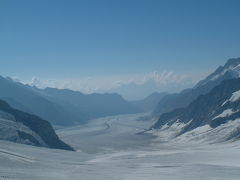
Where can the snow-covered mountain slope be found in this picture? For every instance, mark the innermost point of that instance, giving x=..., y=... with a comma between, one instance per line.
x=116, y=153
x=171, y=102
x=25, y=128
x=201, y=135
x=230, y=69
x=12, y=130
x=219, y=108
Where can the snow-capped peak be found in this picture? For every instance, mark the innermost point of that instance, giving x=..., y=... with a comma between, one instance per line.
x=229, y=71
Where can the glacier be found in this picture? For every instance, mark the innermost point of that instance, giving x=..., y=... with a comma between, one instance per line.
x=113, y=148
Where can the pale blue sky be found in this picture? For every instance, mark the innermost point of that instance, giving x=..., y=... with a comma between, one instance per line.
x=74, y=38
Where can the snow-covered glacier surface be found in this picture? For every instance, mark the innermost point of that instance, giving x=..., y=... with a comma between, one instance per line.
x=111, y=149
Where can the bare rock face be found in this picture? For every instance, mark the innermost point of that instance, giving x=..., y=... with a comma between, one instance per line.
x=219, y=106
x=21, y=127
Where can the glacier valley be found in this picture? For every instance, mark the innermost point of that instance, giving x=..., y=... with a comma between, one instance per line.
x=114, y=148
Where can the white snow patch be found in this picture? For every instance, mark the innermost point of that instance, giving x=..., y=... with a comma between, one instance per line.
x=233, y=69
x=225, y=113
x=219, y=75
x=235, y=96
x=206, y=134
x=225, y=102
x=237, y=69
x=167, y=132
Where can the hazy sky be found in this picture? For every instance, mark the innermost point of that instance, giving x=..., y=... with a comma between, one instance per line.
x=74, y=38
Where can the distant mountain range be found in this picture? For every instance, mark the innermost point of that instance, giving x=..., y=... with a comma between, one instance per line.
x=214, y=101
x=21, y=127
x=63, y=107
x=173, y=101
x=149, y=103
x=133, y=91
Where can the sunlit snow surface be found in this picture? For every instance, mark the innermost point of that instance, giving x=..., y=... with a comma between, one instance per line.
x=225, y=113
x=235, y=96
x=110, y=149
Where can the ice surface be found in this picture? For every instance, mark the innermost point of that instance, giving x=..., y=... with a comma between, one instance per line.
x=110, y=149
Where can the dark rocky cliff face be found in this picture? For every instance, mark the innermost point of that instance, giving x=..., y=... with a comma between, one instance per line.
x=36, y=127
x=220, y=105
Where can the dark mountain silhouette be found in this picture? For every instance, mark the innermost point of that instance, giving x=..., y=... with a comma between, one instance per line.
x=62, y=107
